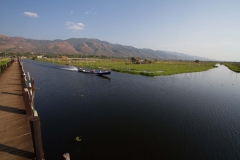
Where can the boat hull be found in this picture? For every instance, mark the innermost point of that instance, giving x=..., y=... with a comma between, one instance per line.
x=98, y=73
x=103, y=73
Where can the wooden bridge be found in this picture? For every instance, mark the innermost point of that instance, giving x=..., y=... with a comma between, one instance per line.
x=20, y=134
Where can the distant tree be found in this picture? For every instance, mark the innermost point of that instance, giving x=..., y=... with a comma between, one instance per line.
x=147, y=60
x=34, y=57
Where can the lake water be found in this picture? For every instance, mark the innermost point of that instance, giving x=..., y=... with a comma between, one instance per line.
x=132, y=117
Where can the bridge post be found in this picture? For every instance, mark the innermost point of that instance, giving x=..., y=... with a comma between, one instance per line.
x=37, y=137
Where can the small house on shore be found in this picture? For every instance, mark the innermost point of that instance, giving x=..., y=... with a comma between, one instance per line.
x=64, y=58
x=136, y=60
x=39, y=56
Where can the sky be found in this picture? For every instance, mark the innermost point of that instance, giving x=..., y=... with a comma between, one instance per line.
x=206, y=28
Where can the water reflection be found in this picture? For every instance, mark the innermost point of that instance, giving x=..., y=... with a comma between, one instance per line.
x=184, y=116
x=105, y=77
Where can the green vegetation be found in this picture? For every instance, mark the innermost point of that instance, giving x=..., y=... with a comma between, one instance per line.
x=155, y=68
x=34, y=57
x=3, y=61
x=234, y=66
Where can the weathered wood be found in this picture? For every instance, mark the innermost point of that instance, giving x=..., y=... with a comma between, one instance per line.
x=33, y=86
x=15, y=132
x=27, y=103
x=66, y=156
x=37, y=137
x=22, y=75
x=29, y=84
x=33, y=92
x=28, y=94
x=23, y=83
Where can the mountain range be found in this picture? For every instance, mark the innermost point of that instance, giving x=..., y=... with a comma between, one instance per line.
x=85, y=46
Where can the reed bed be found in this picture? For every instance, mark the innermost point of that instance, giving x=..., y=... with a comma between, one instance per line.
x=3, y=61
x=155, y=68
x=234, y=66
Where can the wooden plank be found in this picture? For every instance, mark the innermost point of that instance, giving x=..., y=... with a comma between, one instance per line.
x=9, y=117
x=15, y=132
x=10, y=126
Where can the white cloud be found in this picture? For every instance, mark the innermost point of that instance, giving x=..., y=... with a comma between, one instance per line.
x=80, y=24
x=31, y=14
x=69, y=23
x=74, y=26
x=89, y=12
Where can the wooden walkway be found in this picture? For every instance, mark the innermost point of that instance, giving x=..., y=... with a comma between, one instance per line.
x=15, y=132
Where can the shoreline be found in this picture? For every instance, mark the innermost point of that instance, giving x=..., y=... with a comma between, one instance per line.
x=157, y=68
x=235, y=67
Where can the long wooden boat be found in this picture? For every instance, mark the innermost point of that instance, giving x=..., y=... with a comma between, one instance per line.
x=99, y=73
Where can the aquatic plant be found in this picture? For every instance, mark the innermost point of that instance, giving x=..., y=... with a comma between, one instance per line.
x=234, y=66
x=156, y=68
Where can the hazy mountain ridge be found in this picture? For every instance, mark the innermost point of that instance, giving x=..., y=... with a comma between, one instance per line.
x=85, y=46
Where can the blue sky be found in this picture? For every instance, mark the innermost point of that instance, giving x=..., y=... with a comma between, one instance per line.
x=208, y=28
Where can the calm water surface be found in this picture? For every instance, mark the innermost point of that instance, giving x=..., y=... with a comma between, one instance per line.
x=128, y=117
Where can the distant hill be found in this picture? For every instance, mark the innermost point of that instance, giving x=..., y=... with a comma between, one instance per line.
x=84, y=46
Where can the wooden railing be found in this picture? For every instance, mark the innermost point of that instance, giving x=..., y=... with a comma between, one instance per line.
x=28, y=91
